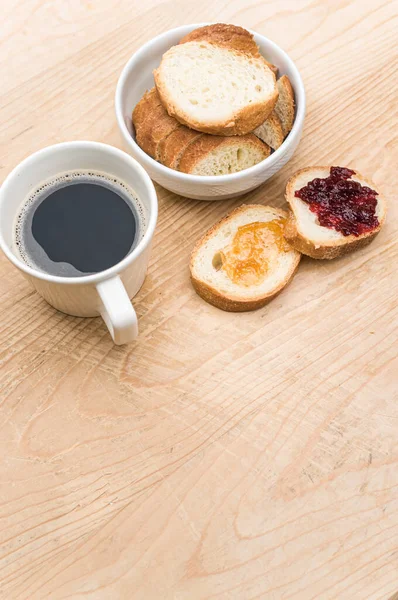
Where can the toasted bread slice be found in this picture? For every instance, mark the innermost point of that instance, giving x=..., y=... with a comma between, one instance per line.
x=270, y=132
x=241, y=263
x=229, y=36
x=303, y=230
x=284, y=107
x=152, y=123
x=218, y=155
x=149, y=101
x=190, y=151
x=174, y=145
x=280, y=122
x=214, y=89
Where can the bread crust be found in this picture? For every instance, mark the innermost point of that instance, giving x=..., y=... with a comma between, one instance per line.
x=197, y=150
x=335, y=248
x=148, y=102
x=212, y=296
x=301, y=244
x=285, y=110
x=230, y=36
x=152, y=123
x=230, y=303
x=206, y=143
x=242, y=121
x=222, y=34
x=271, y=132
x=163, y=138
x=174, y=145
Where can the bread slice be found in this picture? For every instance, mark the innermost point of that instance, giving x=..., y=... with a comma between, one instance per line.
x=190, y=151
x=214, y=89
x=270, y=132
x=284, y=107
x=174, y=145
x=218, y=155
x=280, y=122
x=303, y=230
x=229, y=36
x=262, y=270
x=149, y=101
x=152, y=123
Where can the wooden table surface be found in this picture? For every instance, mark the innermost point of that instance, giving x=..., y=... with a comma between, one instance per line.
x=222, y=456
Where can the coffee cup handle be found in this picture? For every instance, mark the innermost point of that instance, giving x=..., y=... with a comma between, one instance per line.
x=117, y=311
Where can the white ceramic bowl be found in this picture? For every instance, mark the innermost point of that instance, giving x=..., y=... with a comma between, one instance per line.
x=137, y=77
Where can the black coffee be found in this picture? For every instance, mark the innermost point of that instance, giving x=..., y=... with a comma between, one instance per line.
x=78, y=224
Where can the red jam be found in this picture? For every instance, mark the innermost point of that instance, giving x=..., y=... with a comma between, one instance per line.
x=341, y=203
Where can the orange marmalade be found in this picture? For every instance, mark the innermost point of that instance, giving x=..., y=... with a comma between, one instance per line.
x=246, y=259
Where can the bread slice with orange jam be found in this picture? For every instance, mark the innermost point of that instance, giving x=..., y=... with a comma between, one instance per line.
x=243, y=261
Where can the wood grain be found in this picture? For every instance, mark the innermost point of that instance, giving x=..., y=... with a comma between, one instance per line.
x=222, y=456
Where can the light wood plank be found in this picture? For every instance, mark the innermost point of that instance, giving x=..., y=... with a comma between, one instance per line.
x=223, y=456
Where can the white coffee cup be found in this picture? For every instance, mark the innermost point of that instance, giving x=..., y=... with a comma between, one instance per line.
x=106, y=293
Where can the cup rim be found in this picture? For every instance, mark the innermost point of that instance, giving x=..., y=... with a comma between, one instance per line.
x=107, y=273
x=207, y=179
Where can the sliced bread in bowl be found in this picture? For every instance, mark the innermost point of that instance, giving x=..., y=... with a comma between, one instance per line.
x=280, y=122
x=174, y=145
x=223, y=34
x=303, y=228
x=284, y=107
x=152, y=123
x=271, y=132
x=187, y=150
x=230, y=36
x=243, y=262
x=215, y=89
x=219, y=155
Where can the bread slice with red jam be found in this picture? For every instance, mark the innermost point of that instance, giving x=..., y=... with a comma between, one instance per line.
x=334, y=210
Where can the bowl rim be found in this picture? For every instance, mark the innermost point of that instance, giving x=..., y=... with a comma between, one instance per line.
x=207, y=179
